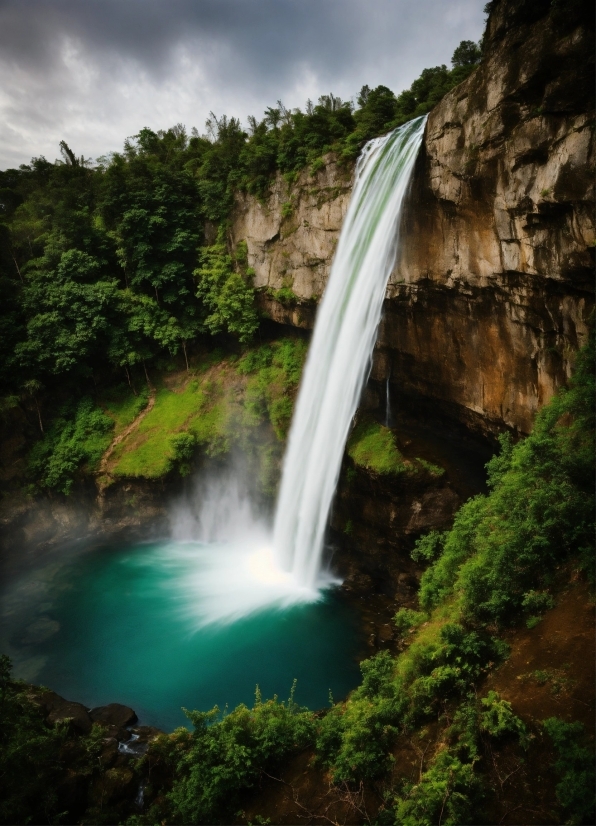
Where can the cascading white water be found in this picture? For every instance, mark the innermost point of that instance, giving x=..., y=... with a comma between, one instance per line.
x=341, y=348
x=221, y=561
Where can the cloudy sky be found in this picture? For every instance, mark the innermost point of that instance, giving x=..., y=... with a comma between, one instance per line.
x=92, y=72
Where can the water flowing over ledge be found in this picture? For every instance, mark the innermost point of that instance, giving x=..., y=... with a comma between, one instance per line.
x=340, y=351
x=222, y=561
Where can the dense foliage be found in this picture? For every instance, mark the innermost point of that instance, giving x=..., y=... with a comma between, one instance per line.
x=105, y=270
x=77, y=437
x=223, y=757
x=575, y=766
x=44, y=767
x=500, y=555
x=29, y=756
x=494, y=566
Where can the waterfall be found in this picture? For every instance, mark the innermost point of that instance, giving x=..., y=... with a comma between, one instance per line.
x=341, y=348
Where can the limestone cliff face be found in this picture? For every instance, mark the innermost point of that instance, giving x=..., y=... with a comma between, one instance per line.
x=490, y=296
x=493, y=287
x=291, y=238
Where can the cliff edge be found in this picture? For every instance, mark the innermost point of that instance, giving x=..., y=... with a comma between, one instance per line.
x=490, y=297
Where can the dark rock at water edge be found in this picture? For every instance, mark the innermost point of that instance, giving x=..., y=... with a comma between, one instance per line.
x=114, y=714
x=59, y=710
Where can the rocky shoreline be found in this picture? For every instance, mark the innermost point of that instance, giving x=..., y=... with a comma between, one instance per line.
x=118, y=743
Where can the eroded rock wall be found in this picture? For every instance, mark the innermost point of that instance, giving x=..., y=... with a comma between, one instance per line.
x=291, y=239
x=491, y=294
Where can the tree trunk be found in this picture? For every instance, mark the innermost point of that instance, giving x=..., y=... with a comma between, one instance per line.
x=38, y=414
x=185, y=356
x=17, y=266
x=146, y=375
x=129, y=381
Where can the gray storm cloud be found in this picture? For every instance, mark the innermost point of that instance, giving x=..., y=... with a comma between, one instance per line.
x=94, y=71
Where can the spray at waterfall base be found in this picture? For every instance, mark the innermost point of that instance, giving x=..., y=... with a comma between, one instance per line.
x=250, y=570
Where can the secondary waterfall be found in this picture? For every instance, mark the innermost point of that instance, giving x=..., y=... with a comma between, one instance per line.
x=340, y=352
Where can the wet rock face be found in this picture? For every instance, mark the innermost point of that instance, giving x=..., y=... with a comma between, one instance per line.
x=489, y=299
x=377, y=520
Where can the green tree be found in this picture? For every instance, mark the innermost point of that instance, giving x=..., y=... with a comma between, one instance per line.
x=467, y=53
x=226, y=294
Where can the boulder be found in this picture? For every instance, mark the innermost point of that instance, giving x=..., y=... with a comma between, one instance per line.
x=113, y=714
x=58, y=710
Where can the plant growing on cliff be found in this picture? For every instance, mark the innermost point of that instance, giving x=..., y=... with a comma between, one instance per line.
x=274, y=373
x=574, y=765
x=406, y=620
x=503, y=546
x=373, y=446
x=30, y=764
x=496, y=560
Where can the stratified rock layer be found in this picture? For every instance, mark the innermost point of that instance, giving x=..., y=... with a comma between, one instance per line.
x=490, y=297
x=291, y=239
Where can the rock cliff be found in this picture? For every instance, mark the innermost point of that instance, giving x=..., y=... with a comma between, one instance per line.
x=291, y=238
x=491, y=294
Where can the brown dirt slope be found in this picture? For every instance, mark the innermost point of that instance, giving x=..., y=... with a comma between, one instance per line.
x=549, y=673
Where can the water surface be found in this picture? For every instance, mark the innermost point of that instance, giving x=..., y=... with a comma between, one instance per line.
x=130, y=624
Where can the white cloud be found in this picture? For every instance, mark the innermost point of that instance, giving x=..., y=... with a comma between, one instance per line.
x=93, y=73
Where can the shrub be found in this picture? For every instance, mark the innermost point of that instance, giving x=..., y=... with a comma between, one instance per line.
x=355, y=740
x=285, y=296
x=29, y=763
x=452, y=549
x=274, y=372
x=355, y=737
x=541, y=508
x=446, y=663
x=498, y=720
x=575, y=766
x=373, y=446
x=225, y=755
x=77, y=437
x=406, y=620
x=227, y=296
x=183, y=447
x=37, y=759
x=445, y=794
x=449, y=790
x=377, y=673
x=537, y=601
x=429, y=547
